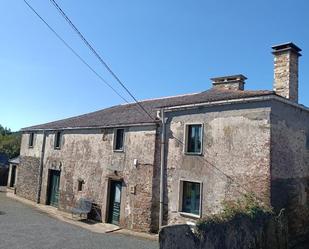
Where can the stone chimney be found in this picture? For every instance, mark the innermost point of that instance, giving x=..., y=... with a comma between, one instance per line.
x=286, y=70
x=233, y=82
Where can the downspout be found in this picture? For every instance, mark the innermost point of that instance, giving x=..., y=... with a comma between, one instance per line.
x=38, y=198
x=162, y=169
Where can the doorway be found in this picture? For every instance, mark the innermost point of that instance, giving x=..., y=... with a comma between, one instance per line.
x=53, y=188
x=114, y=202
x=13, y=176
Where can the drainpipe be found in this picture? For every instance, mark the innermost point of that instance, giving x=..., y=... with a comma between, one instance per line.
x=38, y=197
x=162, y=169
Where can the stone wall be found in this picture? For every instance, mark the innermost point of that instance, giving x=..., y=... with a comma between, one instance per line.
x=263, y=232
x=27, y=177
x=290, y=166
x=89, y=155
x=235, y=158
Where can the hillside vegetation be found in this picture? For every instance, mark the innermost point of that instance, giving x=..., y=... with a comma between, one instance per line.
x=9, y=142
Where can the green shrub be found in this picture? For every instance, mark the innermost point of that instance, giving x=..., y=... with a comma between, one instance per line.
x=248, y=206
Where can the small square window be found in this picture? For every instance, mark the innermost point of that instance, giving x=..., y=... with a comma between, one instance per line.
x=31, y=140
x=190, y=197
x=118, y=139
x=194, y=139
x=58, y=140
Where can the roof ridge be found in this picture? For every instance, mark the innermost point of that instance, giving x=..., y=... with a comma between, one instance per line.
x=167, y=97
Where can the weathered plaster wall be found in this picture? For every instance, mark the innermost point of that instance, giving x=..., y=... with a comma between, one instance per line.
x=290, y=165
x=236, y=143
x=89, y=155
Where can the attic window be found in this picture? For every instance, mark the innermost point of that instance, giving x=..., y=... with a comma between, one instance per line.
x=58, y=140
x=31, y=139
x=119, y=139
x=80, y=185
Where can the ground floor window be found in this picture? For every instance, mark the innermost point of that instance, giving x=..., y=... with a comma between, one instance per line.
x=191, y=197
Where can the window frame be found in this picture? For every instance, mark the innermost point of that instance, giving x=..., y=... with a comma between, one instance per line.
x=186, y=133
x=115, y=140
x=180, y=199
x=31, y=140
x=56, y=140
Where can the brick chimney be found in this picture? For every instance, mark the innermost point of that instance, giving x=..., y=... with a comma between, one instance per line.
x=233, y=82
x=286, y=70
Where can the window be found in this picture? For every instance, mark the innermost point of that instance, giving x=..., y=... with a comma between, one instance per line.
x=58, y=140
x=80, y=185
x=194, y=139
x=191, y=197
x=118, y=139
x=31, y=140
x=307, y=141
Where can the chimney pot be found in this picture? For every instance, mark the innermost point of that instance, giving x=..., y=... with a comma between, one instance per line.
x=232, y=82
x=286, y=70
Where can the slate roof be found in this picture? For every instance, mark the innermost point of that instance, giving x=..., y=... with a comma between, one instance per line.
x=15, y=160
x=129, y=114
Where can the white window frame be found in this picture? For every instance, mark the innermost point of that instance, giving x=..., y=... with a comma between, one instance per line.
x=180, y=198
x=186, y=129
x=115, y=140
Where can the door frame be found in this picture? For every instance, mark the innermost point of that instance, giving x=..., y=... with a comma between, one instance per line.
x=108, y=198
x=48, y=197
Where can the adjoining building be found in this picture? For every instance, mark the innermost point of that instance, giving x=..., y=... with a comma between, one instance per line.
x=4, y=164
x=178, y=165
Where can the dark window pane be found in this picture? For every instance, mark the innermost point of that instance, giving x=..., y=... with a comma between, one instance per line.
x=31, y=139
x=119, y=139
x=194, y=139
x=58, y=139
x=80, y=185
x=191, y=198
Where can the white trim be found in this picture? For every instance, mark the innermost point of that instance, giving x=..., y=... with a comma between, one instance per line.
x=26, y=130
x=233, y=101
x=186, y=138
x=180, y=198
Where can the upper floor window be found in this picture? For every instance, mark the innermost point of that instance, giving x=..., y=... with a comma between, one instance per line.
x=31, y=140
x=190, y=197
x=193, y=139
x=58, y=140
x=119, y=139
x=307, y=141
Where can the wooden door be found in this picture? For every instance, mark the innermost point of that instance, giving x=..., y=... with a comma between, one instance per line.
x=54, y=182
x=114, y=202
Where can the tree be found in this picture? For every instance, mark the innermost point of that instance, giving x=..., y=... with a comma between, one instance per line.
x=9, y=142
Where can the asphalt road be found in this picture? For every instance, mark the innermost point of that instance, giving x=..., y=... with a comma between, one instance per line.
x=22, y=227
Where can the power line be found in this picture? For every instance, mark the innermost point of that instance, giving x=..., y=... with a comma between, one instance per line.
x=223, y=173
x=75, y=53
x=64, y=15
x=115, y=76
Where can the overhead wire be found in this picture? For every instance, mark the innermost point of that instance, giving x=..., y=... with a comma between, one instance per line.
x=65, y=16
x=75, y=53
x=118, y=80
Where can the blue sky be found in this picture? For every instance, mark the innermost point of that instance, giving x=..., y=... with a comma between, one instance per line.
x=158, y=48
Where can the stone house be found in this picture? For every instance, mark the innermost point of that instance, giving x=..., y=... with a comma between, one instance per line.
x=180, y=162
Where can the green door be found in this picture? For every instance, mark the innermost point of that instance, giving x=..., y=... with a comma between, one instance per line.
x=114, y=202
x=54, y=182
